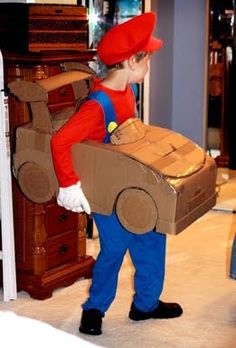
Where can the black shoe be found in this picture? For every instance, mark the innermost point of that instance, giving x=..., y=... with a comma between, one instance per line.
x=91, y=322
x=163, y=311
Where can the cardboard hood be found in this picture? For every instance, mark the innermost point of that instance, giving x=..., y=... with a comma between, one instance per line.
x=163, y=150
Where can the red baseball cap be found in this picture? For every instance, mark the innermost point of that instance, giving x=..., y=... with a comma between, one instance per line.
x=124, y=40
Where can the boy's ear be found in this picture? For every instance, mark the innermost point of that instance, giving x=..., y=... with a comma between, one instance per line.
x=131, y=62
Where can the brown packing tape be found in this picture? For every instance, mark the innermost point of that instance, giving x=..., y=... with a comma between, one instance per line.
x=196, y=157
x=187, y=148
x=155, y=134
x=147, y=154
x=175, y=141
x=162, y=163
x=128, y=148
x=176, y=166
x=128, y=132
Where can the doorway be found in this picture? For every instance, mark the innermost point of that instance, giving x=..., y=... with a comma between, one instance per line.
x=221, y=61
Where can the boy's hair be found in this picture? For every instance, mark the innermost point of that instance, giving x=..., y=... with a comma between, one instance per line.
x=138, y=57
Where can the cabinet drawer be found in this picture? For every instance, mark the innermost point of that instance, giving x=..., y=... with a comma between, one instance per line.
x=59, y=220
x=60, y=98
x=57, y=27
x=57, y=10
x=61, y=249
x=43, y=27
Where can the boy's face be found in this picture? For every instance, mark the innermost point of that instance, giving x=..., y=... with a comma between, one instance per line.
x=140, y=69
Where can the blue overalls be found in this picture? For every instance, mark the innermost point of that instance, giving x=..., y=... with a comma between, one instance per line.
x=147, y=252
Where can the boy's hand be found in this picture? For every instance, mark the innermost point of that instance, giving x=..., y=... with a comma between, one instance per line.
x=72, y=198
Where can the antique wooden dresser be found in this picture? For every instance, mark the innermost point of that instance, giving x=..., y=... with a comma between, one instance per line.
x=50, y=241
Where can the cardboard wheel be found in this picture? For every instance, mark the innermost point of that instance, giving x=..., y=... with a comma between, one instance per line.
x=36, y=182
x=136, y=211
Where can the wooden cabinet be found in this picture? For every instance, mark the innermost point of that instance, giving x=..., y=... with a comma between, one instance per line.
x=36, y=27
x=50, y=241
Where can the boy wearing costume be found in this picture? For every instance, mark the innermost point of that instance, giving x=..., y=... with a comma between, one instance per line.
x=125, y=50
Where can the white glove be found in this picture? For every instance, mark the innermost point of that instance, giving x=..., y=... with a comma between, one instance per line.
x=72, y=198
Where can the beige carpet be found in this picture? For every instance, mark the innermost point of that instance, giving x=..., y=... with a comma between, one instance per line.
x=196, y=276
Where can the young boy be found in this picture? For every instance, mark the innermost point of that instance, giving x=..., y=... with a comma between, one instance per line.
x=125, y=50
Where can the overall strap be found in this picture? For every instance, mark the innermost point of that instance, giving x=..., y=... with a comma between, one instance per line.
x=134, y=87
x=108, y=110
x=110, y=118
x=135, y=91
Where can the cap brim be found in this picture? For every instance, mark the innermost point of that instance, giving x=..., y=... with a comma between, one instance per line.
x=154, y=44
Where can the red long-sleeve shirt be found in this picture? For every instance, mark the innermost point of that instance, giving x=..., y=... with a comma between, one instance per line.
x=87, y=124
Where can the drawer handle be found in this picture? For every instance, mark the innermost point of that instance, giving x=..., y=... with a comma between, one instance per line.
x=63, y=249
x=63, y=217
x=58, y=11
x=63, y=92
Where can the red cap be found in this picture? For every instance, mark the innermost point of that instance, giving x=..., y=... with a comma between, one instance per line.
x=128, y=38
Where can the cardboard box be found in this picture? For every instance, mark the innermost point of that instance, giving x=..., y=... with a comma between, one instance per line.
x=162, y=181
x=152, y=177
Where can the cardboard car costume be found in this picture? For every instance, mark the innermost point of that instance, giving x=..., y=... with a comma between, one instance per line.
x=154, y=178
x=161, y=180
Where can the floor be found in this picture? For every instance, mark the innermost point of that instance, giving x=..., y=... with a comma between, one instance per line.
x=197, y=276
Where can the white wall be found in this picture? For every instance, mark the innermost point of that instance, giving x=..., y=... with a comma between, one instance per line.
x=179, y=71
